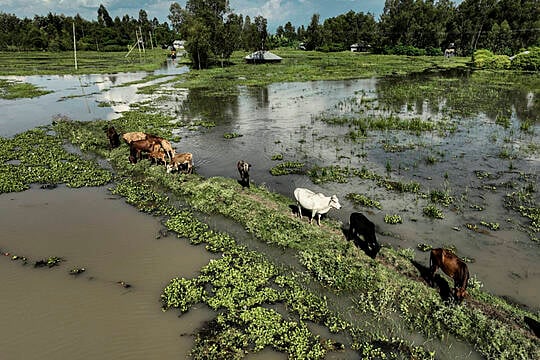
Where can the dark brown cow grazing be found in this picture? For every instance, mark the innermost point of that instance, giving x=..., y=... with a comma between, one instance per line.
x=114, y=137
x=243, y=169
x=136, y=148
x=360, y=225
x=452, y=266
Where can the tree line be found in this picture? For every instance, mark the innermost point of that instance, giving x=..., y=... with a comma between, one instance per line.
x=212, y=31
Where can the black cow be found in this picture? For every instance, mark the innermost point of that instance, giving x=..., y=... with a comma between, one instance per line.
x=243, y=169
x=360, y=225
x=114, y=137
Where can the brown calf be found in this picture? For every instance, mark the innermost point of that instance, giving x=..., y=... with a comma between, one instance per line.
x=452, y=266
x=181, y=162
x=158, y=155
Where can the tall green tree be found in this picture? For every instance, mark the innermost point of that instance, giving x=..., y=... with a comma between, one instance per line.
x=249, y=35
x=313, y=36
x=475, y=19
x=262, y=31
x=198, y=44
x=177, y=17
x=103, y=16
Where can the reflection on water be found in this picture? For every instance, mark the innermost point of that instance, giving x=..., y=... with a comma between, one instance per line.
x=78, y=97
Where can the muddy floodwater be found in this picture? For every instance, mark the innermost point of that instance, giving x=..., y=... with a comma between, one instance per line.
x=51, y=312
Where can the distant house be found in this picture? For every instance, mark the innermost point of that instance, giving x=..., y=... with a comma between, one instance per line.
x=179, y=44
x=262, y=57
x=359, y=47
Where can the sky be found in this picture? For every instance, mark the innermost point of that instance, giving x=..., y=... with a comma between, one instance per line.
x=277, y=12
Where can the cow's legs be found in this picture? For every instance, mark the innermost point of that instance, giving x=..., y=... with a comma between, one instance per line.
x=319, y=219
x=350, y=234
x=299, y=210
x=432, y=270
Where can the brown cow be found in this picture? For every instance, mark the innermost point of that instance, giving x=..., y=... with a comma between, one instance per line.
x=181, y=162
x=452, y=266
x=164, y=143
x=133, y=136
x=136, y=148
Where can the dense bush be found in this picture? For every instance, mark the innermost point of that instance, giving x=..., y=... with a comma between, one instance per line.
x=485, y=59
x=527, y=61
x=405, y=50
x=432, y=51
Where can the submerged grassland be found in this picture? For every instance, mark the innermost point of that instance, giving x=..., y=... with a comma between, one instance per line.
x=10, y=89
x=259, y=301
x=88, y=62
x=300, y=66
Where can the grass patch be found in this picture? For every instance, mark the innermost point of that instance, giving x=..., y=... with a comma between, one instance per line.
x=10, y=90
x=88, y=62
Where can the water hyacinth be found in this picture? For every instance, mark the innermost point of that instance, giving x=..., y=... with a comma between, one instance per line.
x=37, y=157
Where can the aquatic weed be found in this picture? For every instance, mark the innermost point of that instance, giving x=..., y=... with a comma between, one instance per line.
x=433, y=211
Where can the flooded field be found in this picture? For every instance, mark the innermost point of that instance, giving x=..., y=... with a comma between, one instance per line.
x=479, y=155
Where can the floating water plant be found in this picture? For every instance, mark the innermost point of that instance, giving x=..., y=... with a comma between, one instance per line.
x=433, y=212
x=289, y=167
x=77, y=271
x=424, y=247
x=490, y=225
x=334, y=173
x=393, y=219
x=10, y=89
x=49, y=262
x=231, y=135
x=441, y=197
x=363, y=200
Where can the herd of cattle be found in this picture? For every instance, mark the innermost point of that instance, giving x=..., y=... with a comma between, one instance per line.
x=159, y=150
x=361, y=229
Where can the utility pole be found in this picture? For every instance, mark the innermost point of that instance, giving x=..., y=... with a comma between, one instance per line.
x=74, y=46
x=151, y=42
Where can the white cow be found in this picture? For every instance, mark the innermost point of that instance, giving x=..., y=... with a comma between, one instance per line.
x=317, y=203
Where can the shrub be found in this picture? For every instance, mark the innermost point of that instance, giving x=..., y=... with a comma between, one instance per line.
x=485, y=59
x=527, y=61
x=405, y=50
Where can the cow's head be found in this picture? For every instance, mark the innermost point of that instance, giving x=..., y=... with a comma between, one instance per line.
x=171, y=167
x=461, y=293
x=334, y=202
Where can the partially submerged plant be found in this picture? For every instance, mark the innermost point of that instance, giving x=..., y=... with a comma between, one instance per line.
x=433, y=212
x=393, y=219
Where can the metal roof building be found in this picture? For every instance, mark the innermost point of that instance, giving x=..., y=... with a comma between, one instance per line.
x=262, y=57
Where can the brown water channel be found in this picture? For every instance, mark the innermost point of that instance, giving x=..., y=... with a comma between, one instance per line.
x=48, y=313
x=51, y=312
